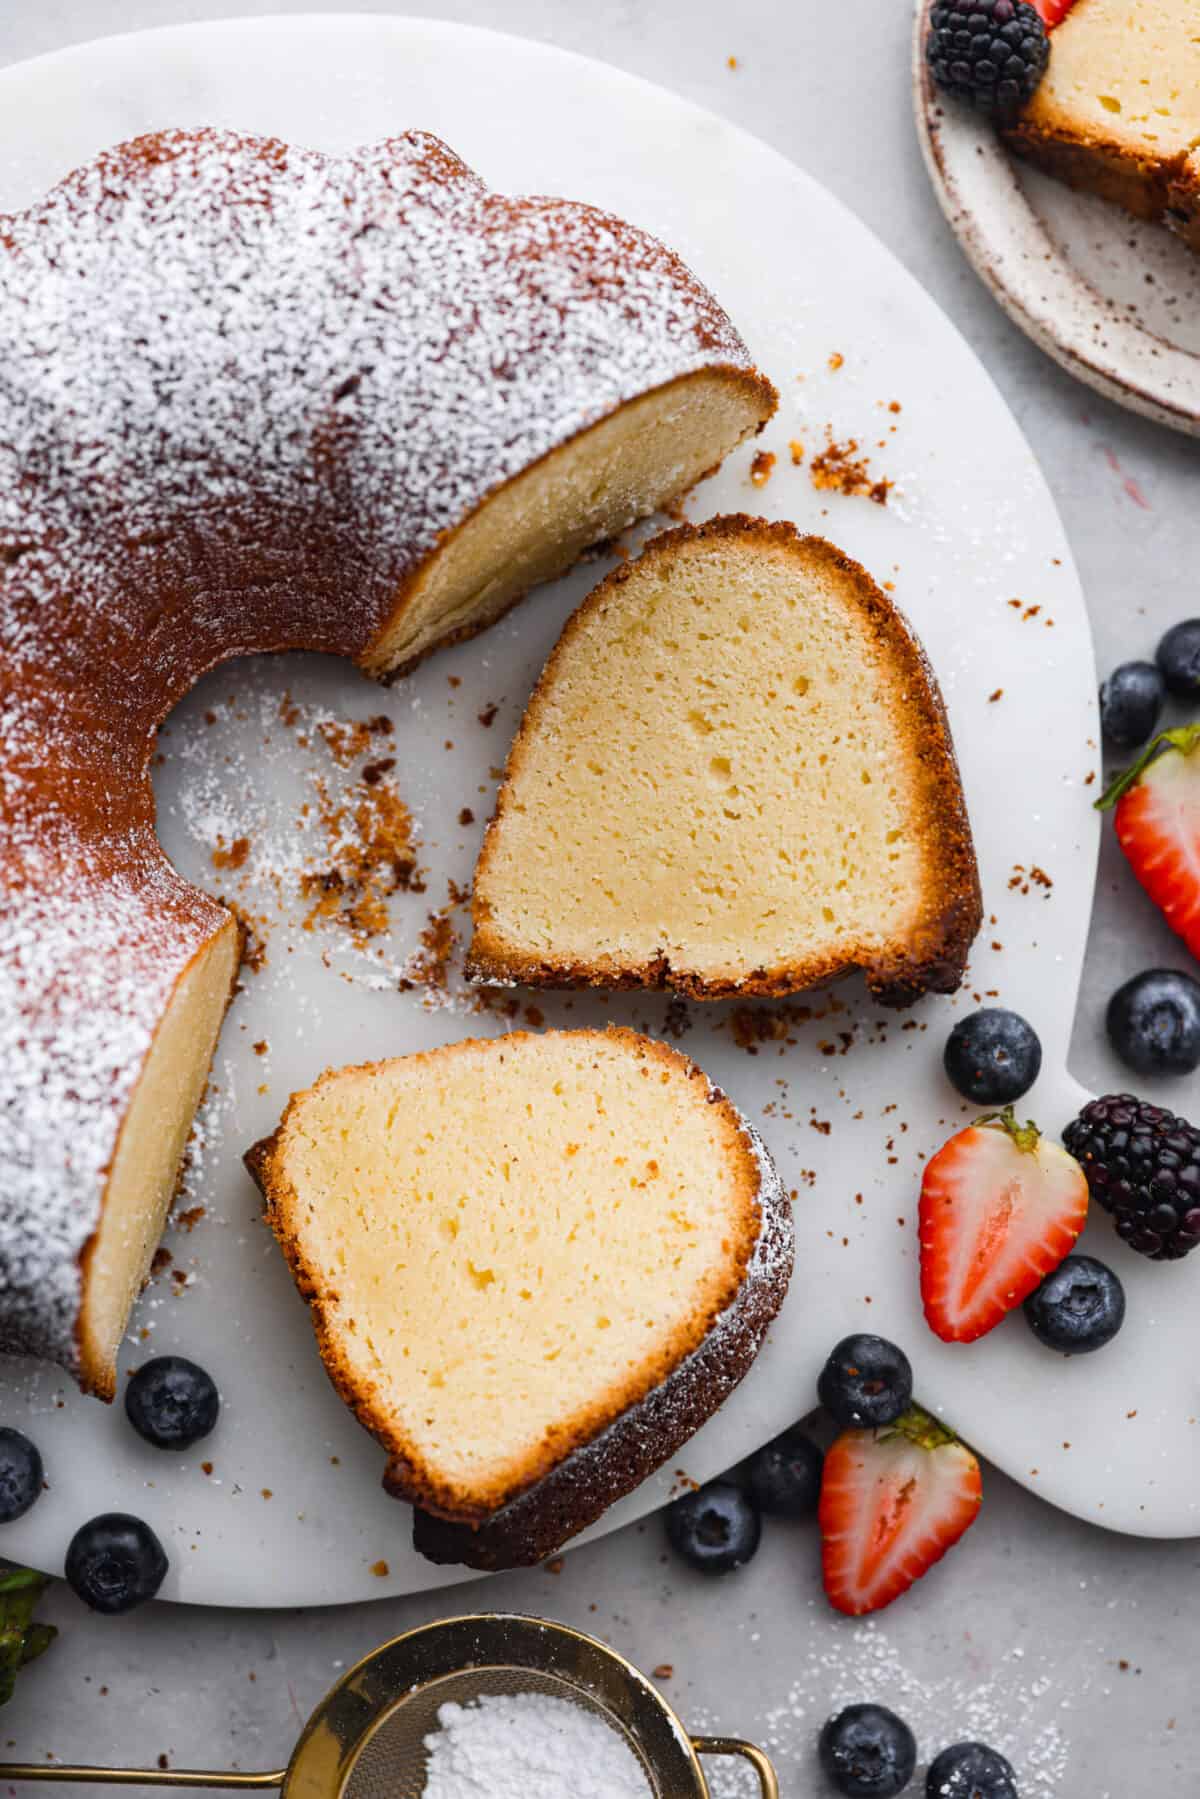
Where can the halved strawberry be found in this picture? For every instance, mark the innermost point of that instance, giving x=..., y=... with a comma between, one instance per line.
x=1000, y=1208
x=1157, y=814
x=892, y=1503
x=1053, y=11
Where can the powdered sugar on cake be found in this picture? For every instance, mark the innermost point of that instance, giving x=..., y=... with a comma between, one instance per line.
x=245, y=390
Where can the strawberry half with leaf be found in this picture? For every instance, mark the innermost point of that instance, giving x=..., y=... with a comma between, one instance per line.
x=1000, y=1208
x=892, y=1503
x=1156, y=810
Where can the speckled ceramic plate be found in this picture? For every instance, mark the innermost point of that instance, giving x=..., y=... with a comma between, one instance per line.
x=283, y=1504
x=1114, y=299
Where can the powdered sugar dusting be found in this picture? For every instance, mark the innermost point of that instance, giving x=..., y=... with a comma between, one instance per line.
x=245, y=388
x=1012, y=1708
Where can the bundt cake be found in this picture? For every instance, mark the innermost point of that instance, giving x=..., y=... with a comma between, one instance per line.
x=1118, y=110
x=536, y=1264
x=734, y=776
x=254, y=398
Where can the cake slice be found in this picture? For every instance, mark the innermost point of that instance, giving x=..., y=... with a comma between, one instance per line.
x=536, y=1264
x=1118, y=110
x=735, y=776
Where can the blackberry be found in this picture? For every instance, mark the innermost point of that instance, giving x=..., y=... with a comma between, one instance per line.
x=992, y=53
x=1142, y=1165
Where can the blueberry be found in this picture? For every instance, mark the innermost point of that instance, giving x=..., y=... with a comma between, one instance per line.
x=171, y=1402
x=1131, y=701
x=20, y=1475
x=1078, y=1308
x=115, y=1562
x=1178, y=655
x=993, y=1056
x=867, y=1382
x=970, y=1771
x=715, y=1529
x=785, y=1476
x=868, y=1750
x=1154, y=1022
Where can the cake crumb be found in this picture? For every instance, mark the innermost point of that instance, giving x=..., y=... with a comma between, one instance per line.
x=762, y=467
x=840, y=468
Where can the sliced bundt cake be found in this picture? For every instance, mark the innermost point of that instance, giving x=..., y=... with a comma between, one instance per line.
x=256, y=398
x=734, y=776
x=536, y=1265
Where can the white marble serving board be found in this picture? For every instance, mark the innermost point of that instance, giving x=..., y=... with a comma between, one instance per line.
x=850, y=1100
x=1114, y=299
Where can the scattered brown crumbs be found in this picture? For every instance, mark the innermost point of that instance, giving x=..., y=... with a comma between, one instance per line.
x=555, y=1565
x=894, y=406
x=731, y=62
x=796, y=450
x=234, y=856
x=254, y=947
x=454, y=680
x=1022, y=879
x=993, y=697
x=664, y=1671
x=189, y=1219
x=487, y=717
x=466, y=817
x=841, y=469
x=161, y=1259
x=210, y=718
x=762, y=467
x=335, y=1461
x=1089, y=777
x=429, y=967
x=267, y=1493
x=836, y=361
x=164, y=1760
x=821, y=1124
x=372, y=851
x=374, y=772
x=206, y=1467
x=1132, y=1414
x=261, y=1047
x=381, y=1569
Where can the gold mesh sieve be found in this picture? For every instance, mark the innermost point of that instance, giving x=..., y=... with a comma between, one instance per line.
x=366, y=1739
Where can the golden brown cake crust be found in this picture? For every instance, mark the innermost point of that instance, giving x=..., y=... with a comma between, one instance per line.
x=1108, y=169
x=932, y=961
x=610, y=1446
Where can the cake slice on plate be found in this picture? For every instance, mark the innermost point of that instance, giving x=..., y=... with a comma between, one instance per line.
x=735, y=776
x=536, y=1265
x=1118, y=110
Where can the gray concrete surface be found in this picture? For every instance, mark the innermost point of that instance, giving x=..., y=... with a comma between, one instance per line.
x=1073, y=1649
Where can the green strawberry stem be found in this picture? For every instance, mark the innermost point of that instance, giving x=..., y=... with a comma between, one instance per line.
x=1184, y=739
x=21, y=1639
x=1026, y=1137
x=920, y=1427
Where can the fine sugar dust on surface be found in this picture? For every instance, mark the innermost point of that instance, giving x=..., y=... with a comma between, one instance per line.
x=528, y=1746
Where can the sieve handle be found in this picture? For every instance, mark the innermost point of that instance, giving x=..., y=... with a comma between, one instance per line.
x=735, y=1746
x=137, y=1777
